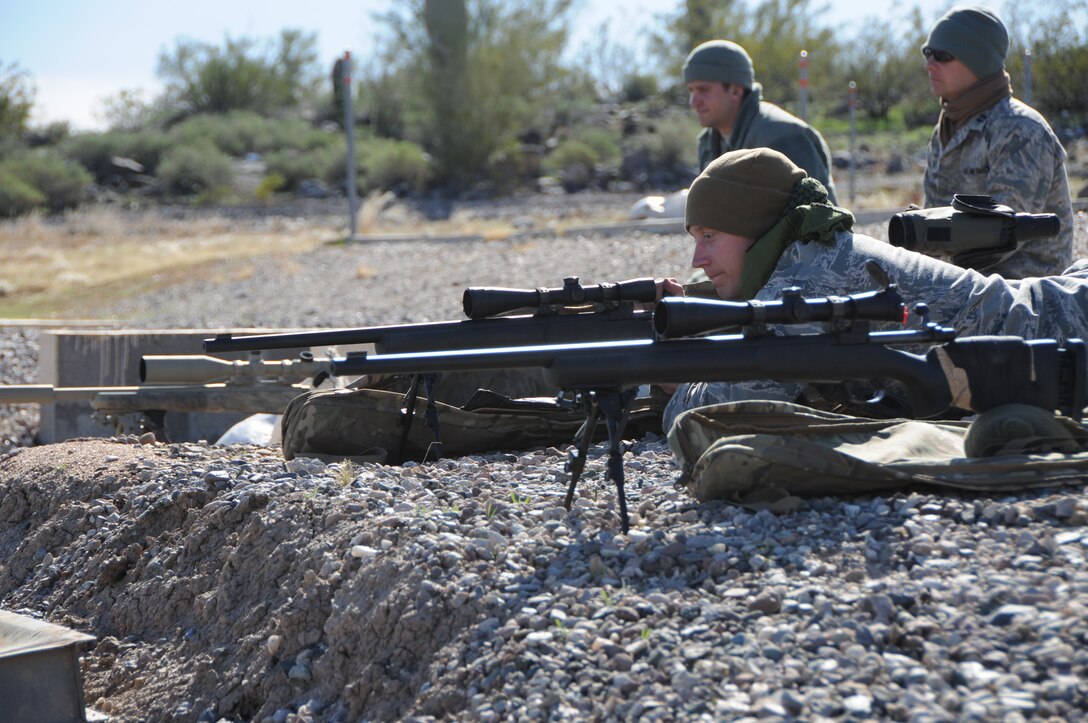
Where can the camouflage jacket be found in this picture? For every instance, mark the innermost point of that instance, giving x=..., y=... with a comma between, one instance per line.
x=764, y=125
x=973, y=304
x=1008, y=152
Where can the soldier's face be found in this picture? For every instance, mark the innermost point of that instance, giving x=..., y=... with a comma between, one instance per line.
x=721, y=256
x=716, y=104
x=949, y=80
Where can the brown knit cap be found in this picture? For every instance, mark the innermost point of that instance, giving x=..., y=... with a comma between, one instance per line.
x=742, y=192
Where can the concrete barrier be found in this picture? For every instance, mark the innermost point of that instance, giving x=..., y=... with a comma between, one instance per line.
x=106, y=358
x=40, y=679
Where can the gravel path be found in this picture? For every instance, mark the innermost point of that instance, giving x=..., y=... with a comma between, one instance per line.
x=226, y=584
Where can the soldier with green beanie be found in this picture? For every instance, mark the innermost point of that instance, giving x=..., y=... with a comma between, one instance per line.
x=761, y=224
x=988, y=143
x=729, y=102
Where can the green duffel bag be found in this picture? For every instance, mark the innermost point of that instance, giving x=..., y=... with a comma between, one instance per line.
x=770, y=454
x=367, y=424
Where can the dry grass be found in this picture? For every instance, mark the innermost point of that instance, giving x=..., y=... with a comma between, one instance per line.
x=61, y=267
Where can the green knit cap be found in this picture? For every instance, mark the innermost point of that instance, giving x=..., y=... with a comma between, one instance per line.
x=719, y=60
x=975, y=35
x=742, y=192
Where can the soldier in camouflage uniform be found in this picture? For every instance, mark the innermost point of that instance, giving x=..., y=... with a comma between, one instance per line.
x=988, y=143
x=723, y=93
x=760, y=225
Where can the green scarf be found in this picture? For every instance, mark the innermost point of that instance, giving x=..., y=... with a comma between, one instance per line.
x=808, y=217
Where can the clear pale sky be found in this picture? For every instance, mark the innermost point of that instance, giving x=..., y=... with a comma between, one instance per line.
x=81, y=51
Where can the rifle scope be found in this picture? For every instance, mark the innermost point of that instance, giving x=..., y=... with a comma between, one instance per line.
x=975, y=231
x=684, y=316
x=483, y=301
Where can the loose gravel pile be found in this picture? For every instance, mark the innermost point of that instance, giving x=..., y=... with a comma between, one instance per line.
x=222, y=583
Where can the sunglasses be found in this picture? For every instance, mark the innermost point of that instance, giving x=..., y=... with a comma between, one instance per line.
x=941, y=56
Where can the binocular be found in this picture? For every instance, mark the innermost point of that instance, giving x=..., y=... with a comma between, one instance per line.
x=975, y=231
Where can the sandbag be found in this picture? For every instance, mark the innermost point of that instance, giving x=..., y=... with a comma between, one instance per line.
x=765, y=454
x=365, y=424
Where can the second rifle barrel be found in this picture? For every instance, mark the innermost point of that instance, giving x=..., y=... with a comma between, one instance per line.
x=467, y=334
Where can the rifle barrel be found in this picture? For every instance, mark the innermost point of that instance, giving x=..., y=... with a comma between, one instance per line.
x=526, y=330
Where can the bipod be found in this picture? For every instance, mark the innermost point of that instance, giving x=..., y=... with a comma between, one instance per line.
x=430, y=417
x=614, y=404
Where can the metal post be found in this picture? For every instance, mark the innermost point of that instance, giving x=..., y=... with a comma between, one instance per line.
x=853, y=137
x=349, y=131
x=1026, y=95
x=803, y=100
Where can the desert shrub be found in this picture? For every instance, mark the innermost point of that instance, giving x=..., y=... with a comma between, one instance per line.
x=60, y=182
x=638, y=87
x=17, y=196
x=94, y=151
x=235, y=134
x=195, y=169
x=677, y=133
x=296, y=166
x=269, y=185
x=605, y=143
x=241, y=132
x=571, y=153
x=244, y=74
x=16, y=99
x=388, y=165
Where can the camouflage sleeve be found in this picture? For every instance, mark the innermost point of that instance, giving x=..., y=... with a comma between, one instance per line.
x=1024, y=160
x=700, y=394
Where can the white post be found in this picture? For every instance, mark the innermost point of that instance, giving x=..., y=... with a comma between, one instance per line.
x=349, y=131
x=803, y=81
x=1026, y=97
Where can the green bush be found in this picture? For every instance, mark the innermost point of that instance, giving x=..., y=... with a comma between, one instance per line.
x=571, y=153
x=17, y=196
x=241, y=132
x=94, y=151
x=60, y=183
x=195, y=169
x=269, y=185
x=295, y=166
x=639, y=87
x=605, y=143
x=671, y=141
x=388, y=164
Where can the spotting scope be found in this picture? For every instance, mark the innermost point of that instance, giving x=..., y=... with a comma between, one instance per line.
x=975, y=231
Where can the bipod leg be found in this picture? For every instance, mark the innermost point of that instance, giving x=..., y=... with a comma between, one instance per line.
x=430, y=418
x=406, y=416
x=154, y=421
x=576, y=458
x=616, y=404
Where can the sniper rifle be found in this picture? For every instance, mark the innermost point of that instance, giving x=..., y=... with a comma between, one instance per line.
x=571, y=314
x=972, y=373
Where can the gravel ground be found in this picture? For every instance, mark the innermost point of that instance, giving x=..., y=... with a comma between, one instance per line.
x=226, y=584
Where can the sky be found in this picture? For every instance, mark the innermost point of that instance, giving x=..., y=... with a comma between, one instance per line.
x=79, y=52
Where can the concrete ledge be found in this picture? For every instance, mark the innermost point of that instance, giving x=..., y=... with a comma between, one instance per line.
x=110, y=358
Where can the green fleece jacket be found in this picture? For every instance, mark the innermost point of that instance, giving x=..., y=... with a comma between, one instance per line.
x=764, y=125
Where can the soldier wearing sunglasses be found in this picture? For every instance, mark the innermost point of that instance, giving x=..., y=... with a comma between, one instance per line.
x=986, y=142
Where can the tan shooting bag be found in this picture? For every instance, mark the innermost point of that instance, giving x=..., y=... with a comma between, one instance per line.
x=771, y=454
